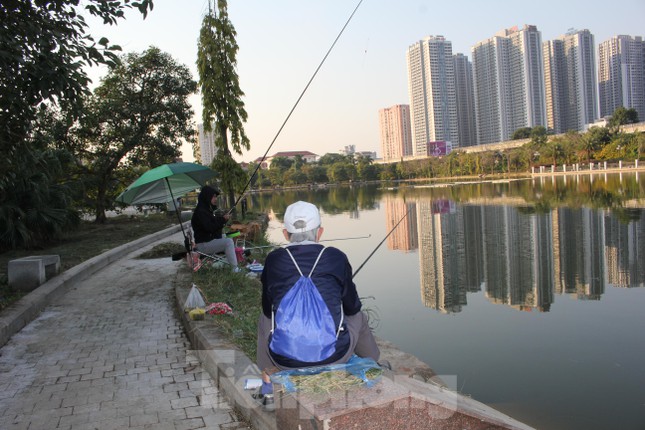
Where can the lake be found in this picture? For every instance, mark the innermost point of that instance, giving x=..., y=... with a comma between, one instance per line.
x=528, y=295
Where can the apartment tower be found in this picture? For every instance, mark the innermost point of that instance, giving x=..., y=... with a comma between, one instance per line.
x=465, y=100
x=570, y=81
x=431, y=87
x=508, y=82
x=207, y=148
x=621, y=75
x=396, y=133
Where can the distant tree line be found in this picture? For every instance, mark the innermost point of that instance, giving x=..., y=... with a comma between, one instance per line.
x=606, y=143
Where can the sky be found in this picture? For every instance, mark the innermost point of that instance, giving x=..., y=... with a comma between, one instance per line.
x=282, y=42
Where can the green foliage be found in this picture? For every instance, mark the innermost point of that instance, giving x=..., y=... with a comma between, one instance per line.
x=331, y=158
x=281, y=164
x=521, y=133
x=218, y=79
x=222, y=104
x=45, y=52
x=622, y=147
x=231, y=176
x=134, y=121
x=341, y=172
x=595, y=139
x=315, y=174
x=620, y=117
x=538, y=136
x=38, y=208
x=244, y=296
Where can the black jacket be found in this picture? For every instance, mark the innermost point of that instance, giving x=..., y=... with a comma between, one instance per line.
x=332, y=277
x=206, y=226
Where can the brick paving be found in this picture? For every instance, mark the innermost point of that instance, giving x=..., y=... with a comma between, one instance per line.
x=110, y=354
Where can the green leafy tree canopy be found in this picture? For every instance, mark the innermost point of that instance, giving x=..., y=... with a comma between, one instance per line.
x=136, y=118
x=222, y=104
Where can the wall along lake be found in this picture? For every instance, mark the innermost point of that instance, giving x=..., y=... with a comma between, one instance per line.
x=527, y=295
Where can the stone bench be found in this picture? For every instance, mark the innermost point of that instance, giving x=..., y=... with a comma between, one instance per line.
x=27, y=273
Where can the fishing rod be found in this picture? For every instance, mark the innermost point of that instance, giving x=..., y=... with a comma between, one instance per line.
x=296, y=104
x=379, y=245
x=326, y=240
x=180, y=255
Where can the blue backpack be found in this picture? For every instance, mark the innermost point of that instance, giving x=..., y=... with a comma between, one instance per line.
x=302, y=326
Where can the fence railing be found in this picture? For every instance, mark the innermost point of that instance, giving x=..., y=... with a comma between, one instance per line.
x=599, y=166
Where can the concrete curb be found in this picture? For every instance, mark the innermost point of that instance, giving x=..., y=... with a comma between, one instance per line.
x=25, y=310
x=226, y=364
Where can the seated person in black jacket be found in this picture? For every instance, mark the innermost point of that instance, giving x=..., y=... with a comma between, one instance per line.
x=207, y=227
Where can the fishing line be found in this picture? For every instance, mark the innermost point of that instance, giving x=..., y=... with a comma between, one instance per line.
x=326, y=240
x=297, y=102
x=379, y=245
x=180, y=255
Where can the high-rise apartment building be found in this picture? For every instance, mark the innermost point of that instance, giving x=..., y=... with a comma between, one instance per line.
x=465, y=100
x=570, y=81
x=431, y=88
x=207, y=148
x=396, y=133
x=508, y=81
x=621, y=75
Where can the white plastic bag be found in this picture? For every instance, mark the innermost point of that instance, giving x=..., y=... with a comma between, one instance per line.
x=195, y=299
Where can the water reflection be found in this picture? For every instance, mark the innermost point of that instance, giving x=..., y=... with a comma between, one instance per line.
x=522, y=242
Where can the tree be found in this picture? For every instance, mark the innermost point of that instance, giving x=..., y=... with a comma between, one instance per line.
x=282, y=163
x=594, y=139
x=620, y=117
x=341, y=172
x=315, y=174
x=136, y=118
x=553, y=150
x=331, y=158
x=45, y=50
x=220, y=87
x=521, y=133
x=538, y=136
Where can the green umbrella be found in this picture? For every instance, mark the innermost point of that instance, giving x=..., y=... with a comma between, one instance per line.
x=165, y=183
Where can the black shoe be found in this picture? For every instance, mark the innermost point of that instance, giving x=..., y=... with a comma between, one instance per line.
x=384, y=364
x=266, y=400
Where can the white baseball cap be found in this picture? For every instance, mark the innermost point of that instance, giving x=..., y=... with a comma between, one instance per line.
x=300, y=217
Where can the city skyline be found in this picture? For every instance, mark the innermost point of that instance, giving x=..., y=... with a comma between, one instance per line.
x=281, y=45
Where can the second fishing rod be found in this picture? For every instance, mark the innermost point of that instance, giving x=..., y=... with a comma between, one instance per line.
x=284, y=123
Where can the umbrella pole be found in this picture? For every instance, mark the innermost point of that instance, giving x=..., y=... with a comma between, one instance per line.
x=181, y=225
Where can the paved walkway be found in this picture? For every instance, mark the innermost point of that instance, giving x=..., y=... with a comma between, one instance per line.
x=110, y=354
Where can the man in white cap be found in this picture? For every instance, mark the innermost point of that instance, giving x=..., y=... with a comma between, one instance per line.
x=331, y=274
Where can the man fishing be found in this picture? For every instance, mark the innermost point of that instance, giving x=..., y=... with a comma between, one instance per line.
x=311, y=312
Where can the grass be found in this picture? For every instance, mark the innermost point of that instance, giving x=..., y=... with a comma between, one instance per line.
x=242, y=293
x=83, y=243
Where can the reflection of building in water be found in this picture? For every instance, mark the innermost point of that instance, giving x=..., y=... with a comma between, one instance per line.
x=582, y=268
x=442, y=257
x=404, y=237
x=522, y=259
x=557, y=268
x=474, y=248
x=518, y=265
x=624, y=250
